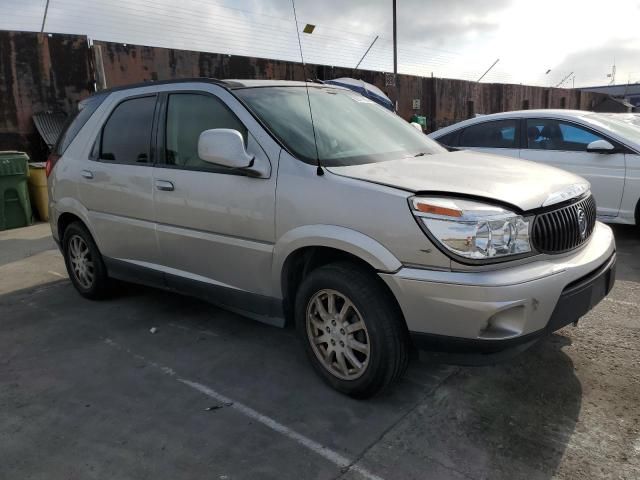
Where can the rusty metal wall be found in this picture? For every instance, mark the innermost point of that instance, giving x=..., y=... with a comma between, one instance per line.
x=452, y=98
x=39, y=73
x=442, y=101
x=133, y=63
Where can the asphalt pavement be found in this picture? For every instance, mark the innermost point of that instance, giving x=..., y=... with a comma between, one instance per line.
x=88, y=391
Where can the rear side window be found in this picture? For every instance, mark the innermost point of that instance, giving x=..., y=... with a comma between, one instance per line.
x=496, y=134
x=76, y=121
x=126, y=137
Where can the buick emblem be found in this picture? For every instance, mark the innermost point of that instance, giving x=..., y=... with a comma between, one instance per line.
x=582, y=223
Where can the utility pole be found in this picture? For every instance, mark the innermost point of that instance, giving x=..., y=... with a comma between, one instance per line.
x=395, y=42
x=44, y=18
x=613, y=72
x=395, y=57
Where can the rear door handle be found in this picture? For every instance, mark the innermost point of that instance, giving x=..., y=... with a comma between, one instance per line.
x=86, y=174
x=164, y=185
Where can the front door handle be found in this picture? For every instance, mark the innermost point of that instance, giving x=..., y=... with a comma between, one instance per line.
x=164, y=185
x=86, y=174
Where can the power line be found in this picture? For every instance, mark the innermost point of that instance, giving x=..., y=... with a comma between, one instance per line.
x=235, y=31
x=150, y=23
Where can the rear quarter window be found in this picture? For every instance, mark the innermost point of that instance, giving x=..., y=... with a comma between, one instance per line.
x=75, y=122
x=126, y=135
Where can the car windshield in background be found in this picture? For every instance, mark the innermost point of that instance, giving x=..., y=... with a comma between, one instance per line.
x=630, y=118
x=627, y=125
x=349, y=128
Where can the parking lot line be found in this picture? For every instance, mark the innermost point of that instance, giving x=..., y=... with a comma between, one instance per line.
x=189, y=329
x=334, y=457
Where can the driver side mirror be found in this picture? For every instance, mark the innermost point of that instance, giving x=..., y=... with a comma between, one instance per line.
x=224, y=146
x=600, y=146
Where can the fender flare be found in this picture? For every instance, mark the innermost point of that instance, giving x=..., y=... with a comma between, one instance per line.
x=74, y=207
x=339, y=238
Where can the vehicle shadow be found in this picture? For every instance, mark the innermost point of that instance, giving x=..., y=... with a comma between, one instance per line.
x=511, y=420
x=628, y=250
x=14, y=249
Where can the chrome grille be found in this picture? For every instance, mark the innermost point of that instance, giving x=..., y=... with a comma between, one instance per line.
x=566, y=228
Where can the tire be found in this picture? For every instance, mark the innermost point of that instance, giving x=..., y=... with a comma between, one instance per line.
x=84, y=262
x=362, y=298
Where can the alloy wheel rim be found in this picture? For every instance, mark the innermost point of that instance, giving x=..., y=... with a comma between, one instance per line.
x=337, y=334
x=82, y=265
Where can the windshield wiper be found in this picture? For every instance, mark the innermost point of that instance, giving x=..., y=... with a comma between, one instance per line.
x=420, y=154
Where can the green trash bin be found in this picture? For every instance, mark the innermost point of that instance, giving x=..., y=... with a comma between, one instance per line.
x=421, y=120
x=15, y=208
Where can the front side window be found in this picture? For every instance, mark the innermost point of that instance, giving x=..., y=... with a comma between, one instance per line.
x=496, y=134
x=548, y=134
x=126, y=137
x=188, y=115
x=347, y=128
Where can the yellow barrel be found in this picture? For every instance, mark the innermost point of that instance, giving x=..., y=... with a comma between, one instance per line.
x=38, y=189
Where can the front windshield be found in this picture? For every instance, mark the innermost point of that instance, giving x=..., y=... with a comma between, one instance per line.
x=349, y=128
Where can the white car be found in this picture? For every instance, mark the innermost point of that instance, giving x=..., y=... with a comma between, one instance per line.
x=604, y=148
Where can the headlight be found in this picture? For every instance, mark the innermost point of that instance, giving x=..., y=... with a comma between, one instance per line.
x=473, y=230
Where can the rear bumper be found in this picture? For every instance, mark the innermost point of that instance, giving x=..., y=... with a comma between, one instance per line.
x=53, y=222
x=506, y=309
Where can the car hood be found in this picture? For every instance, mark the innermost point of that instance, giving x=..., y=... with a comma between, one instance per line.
x=525, y=185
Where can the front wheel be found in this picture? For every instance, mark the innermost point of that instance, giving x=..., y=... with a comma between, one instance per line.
x=352, y=330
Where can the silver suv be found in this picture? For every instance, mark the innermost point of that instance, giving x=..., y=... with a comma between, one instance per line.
x=350, y=223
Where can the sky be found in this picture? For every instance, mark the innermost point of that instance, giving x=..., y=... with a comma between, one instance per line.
x=578, y=41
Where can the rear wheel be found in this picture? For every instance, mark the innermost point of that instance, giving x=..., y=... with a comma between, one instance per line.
x=352, y=330
x=84, y=262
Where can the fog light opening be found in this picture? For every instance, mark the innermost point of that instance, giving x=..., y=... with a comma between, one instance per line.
x=505, y=324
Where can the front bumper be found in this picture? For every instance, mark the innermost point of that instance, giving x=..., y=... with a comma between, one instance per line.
x=469, y=312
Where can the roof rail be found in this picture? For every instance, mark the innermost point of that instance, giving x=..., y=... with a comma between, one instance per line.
x=222, y=83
